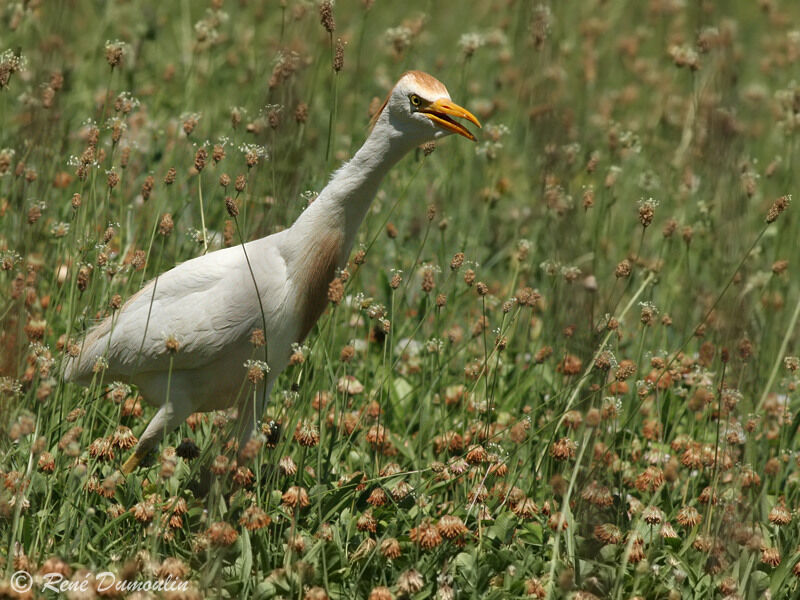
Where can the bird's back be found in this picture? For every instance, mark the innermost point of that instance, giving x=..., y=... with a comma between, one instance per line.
x=206, y=305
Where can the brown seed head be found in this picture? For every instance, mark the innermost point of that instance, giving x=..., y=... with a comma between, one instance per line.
x=147, y=187
x=542, y=354
x=169, y=178
x=796, y=569
x=652, y=515
x=647, y=210
x=139, y=260
x=257, y=338
x=779, y=266
x=301, y=112
x=390, y=548
x=200, y=158
x=597, y=494
x=780, y=515
x=347, y=354
x=626, y=370
x=623, y=269
x=367, y=522
x=588, y=198
x=608, y=533
x=570, y=365
x=295, y=497
x=220, y=465
x=109, y=234
x=431, y=212
x=780, y=205
x=451, y=527
x=287, y=466
x=428, y=282
x=34, y=214
x=46, y=462
x=221, y=534
x=143, y=511
x=603, y=361
x=172, y=344
x=770, y=556
x=427, y=536
x=84, y=273
x=326, y=16
x=336, y=291
x=189, y=124
x=255, y=374
x=669, y=228
x=254, y=518
x=218, y=153
x=557, y=521
x=115, y=52
x=306, y=434
x=563, y=449
x=650, y=479
x=123, y=438
x=377, y=497
x=101, y=448
x=476, y=455
x=251, y=157
x=338, y=57
x=166, y=225
x=230, y=206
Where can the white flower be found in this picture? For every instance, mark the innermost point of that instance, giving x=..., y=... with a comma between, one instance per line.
x=258, y=364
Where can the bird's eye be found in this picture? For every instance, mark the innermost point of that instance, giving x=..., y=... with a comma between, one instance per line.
x=415, y=100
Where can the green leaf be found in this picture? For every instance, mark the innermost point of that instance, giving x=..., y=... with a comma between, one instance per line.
x=246, y=554
x=503, y=528
x=401, y=388
x=530, y=532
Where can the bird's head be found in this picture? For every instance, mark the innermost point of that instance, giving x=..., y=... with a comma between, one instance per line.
x=420, y=108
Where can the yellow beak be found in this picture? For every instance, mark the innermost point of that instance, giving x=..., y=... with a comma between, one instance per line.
x=440, y=111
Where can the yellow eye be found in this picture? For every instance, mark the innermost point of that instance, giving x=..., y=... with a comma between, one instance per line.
x=415, y=100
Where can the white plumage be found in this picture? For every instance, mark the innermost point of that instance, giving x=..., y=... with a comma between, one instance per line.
x=210, y=304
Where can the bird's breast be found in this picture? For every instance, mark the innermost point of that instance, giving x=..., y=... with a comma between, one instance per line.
x=315, y=269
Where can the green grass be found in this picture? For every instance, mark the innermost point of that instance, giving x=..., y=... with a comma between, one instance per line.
x=498, y=407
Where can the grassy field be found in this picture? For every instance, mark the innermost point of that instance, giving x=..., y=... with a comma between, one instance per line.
x=565, y=362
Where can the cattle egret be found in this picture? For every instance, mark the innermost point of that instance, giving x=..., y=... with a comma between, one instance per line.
x=184, y=337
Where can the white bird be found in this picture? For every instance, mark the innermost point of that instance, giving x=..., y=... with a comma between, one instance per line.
x=211, y=304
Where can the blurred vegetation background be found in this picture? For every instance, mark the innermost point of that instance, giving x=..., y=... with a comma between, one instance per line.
x=613, y=213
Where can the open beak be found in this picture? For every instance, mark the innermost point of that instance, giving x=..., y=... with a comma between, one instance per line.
x=440, y=111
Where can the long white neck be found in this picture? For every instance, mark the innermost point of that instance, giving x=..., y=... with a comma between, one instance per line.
x=320, y=240
x=343, y=204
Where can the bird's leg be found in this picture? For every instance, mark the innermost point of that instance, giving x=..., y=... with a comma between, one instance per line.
x=168, y=417
x=251, y=411
x=133, y=461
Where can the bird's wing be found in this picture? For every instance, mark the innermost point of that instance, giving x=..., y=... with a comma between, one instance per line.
x=206, y=304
